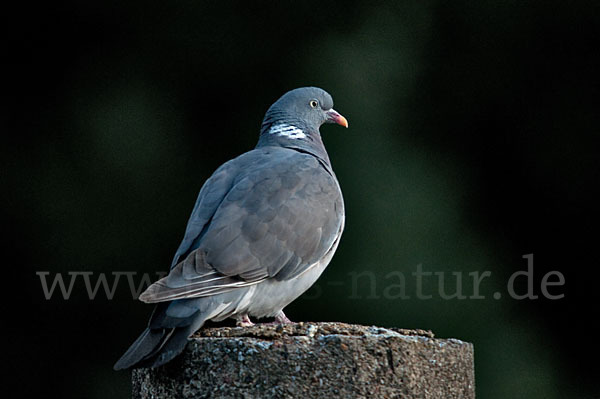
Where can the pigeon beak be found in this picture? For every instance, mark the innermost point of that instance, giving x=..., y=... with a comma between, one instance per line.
x=334, y=117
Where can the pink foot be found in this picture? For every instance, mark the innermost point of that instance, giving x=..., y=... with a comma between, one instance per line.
x=280, y=318
x=244, y=321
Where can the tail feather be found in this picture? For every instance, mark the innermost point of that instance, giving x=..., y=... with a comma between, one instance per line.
x=170, y=326
x=146, y=343
x=156, y=346
x=172, y=347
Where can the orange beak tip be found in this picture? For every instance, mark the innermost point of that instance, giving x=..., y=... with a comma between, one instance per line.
x=343, y=121
x=335, y=117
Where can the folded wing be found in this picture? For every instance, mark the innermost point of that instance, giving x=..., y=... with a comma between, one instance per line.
x=275, y=221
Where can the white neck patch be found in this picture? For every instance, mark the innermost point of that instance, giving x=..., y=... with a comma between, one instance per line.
x=288, y=131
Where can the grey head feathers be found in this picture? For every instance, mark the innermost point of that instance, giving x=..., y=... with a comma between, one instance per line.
x=293, y=121
x=298, y=114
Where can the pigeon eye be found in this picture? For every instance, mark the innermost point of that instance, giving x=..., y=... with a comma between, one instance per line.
x=313, y=103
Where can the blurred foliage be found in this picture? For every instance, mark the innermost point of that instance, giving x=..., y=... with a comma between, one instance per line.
x=470, y=144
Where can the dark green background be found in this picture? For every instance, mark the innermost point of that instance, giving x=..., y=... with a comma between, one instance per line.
x=471, y=143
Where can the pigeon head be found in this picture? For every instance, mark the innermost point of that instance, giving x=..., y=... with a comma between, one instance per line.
x=297, y=116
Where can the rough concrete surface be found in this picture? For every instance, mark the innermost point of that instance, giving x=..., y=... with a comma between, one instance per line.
x=313, y=360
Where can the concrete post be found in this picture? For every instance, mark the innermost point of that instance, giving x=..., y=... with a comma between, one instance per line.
x=313, y=360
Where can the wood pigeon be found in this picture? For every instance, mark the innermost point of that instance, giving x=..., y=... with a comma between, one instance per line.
x=263, y=229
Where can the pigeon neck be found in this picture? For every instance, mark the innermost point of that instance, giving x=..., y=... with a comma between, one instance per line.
x=296, y=137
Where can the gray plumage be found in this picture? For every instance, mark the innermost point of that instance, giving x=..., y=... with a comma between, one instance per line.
x=263, y=229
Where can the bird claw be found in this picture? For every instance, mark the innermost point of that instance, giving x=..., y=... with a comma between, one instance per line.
x=281, y=318
x=244, y=321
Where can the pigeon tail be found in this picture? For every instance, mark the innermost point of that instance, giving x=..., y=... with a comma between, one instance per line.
x=173, y=346
x=155, y=347
x=164, y=339
x=146, y=343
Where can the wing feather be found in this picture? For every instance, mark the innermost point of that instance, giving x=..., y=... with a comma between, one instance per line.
x=274, y=218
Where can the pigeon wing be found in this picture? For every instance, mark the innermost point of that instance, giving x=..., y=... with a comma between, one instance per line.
x=280, y=217
x=210, y=197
